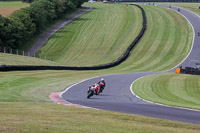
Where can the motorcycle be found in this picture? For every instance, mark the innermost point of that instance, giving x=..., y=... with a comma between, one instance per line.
x=91, y=91
x=99, y=88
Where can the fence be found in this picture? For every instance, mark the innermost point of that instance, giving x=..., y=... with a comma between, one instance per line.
x=20, y=52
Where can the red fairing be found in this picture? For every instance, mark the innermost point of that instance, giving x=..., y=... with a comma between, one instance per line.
x=97, y=88
x=101, y=83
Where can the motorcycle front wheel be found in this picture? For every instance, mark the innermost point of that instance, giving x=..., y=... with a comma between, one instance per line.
x=90, y=93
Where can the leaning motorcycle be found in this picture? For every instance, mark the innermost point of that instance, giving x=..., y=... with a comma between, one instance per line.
x=91, y=91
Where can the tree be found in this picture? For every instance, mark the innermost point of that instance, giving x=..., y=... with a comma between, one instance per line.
x=23, y=17
x=42, y=12
x=11, y=32
x=59, y=7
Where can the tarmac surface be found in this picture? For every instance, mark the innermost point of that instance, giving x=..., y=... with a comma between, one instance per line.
x=118, y=97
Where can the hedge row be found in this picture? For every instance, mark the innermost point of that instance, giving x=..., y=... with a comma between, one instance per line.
x=104, y=66
x=24, y=23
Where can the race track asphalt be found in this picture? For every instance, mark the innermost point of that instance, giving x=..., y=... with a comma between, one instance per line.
x=118, y=97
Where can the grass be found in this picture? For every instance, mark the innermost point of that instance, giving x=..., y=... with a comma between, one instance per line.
x=37, y=117
x=10, y=59
x=97, y=37
x=166, y=43
x=37, y=36
x=170, y=89
x=36, y=86
x=7, y=8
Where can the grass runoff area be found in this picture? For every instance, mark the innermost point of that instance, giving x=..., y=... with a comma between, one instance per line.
x=7, y=8
x=97, y=37
x=170, y=89
x=21, y=93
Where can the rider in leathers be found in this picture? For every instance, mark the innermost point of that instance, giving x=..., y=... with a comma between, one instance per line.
x=99, y=86
x=102, y=84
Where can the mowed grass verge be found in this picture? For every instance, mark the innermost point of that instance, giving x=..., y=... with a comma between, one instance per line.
x=10, y=59
x=36, y=86
x=38, y=117
x=7, y=8
x=170, y=89
x=97, y=37
x=165, y=44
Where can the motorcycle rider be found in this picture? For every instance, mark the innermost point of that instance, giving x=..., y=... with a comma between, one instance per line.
x=99, y=86
x=102, y=84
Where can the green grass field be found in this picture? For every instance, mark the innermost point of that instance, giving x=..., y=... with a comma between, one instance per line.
x=10, y=59
x=97, y=37
x=20, y=92
x=38, y=117
x=12, y=4
x=170, y=89
x=7, y=8
x=166, y=43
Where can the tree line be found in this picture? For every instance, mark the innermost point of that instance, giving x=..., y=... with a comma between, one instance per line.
x=21, y=25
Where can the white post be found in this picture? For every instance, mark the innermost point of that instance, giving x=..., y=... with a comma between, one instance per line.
x=17, y=52
x=4, y=50
x=11, y=51
x=23, y=53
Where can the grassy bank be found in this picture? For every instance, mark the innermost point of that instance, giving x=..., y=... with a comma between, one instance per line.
x=37, y=85
x=7, y=8
x=166, y=43
x=10, y=59
x=97, y=37
x=170, y=89
x=37, y=117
